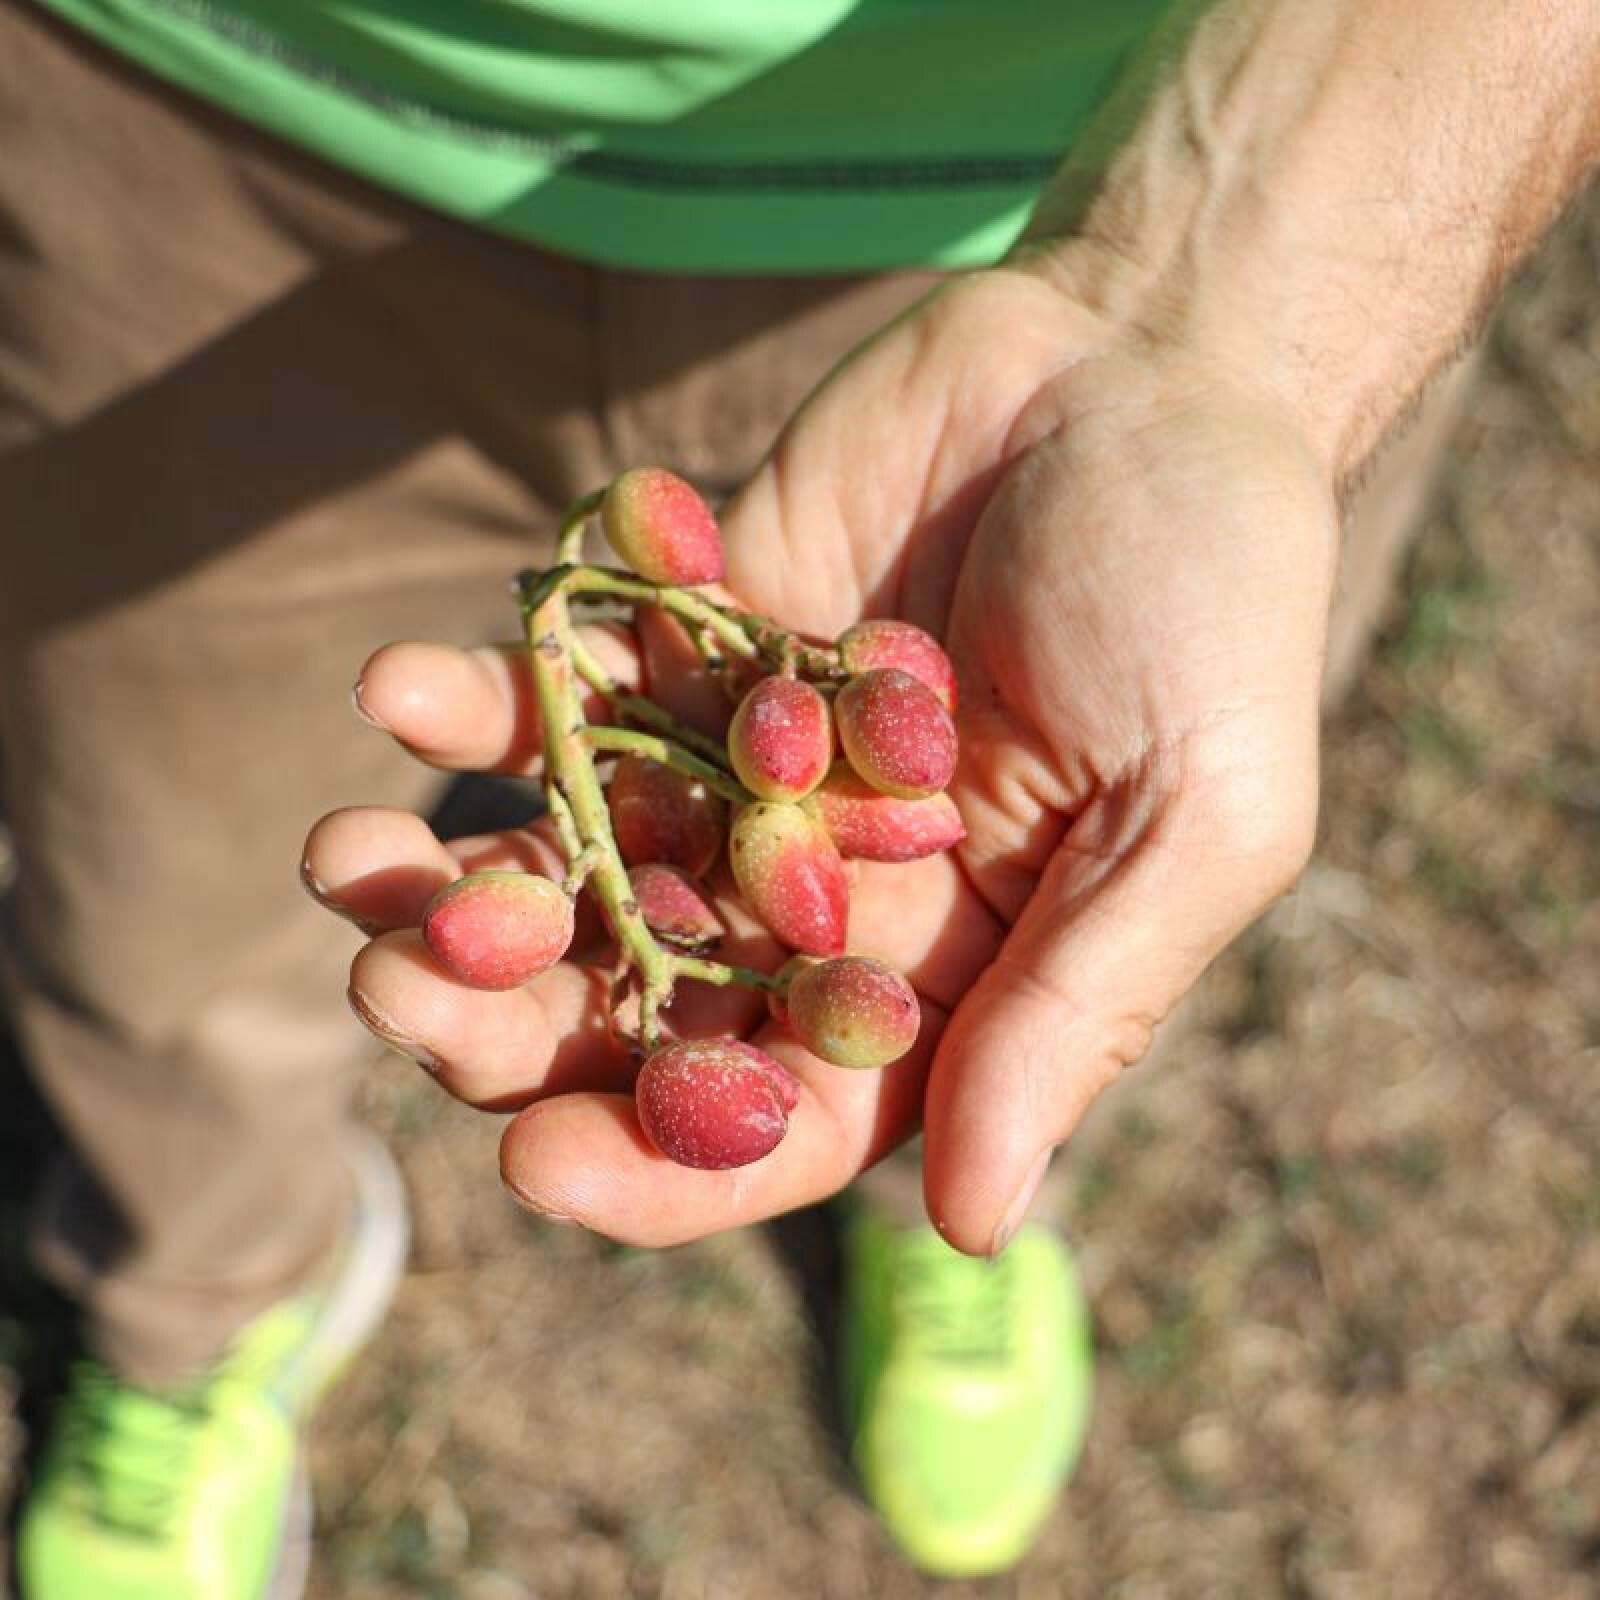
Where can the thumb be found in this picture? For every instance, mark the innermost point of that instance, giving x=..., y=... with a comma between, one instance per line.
x=1153, y=878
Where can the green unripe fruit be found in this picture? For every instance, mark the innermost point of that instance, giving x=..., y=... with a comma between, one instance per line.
x=853, y=1011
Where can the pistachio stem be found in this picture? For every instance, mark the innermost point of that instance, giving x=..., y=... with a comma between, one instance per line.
x=572, y=784
x=667, y=753
x=721, y=974
x=744, y=633
x=635, y=706
x=580, y=867
x=687, y=606
x=569, y=542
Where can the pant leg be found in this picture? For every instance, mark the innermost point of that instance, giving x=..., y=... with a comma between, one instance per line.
x=244, y=440
x=256, y=419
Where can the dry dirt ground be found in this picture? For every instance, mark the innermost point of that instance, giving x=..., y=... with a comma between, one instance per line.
x=1343, y=1249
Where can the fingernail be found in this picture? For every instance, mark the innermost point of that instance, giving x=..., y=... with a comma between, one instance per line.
x=557, y=1219
x=361, y=707
x=320, y=892
x=390, y=1033
x=1018, y=1209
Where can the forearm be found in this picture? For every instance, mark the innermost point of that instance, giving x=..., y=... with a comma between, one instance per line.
x=1327, y=195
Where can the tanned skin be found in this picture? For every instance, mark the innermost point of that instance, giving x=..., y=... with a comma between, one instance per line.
x=1108, y=473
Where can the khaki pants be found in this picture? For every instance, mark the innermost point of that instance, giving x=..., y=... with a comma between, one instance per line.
x=255, y=420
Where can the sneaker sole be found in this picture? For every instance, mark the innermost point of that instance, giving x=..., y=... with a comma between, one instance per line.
x=353, y=1308
x=366, y=1276
x=293, y=1566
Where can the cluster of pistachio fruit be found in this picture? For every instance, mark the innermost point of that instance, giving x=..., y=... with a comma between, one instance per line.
x=832, y=751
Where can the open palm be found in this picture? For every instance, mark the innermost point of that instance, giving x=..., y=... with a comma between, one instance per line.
x=1129, y=557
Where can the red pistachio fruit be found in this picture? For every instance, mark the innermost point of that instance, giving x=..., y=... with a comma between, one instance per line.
x=661, y=527
x=888, y=642
x=791, y=876
x=714, y=1103
x=869, y=825
x=675, y=908
x=658, y=814
x=896, y=733
x=495, y=930
x=781, y=739
x=854, y=1012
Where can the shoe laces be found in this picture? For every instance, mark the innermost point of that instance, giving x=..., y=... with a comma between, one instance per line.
x=131, y=1451
x=953, y=1307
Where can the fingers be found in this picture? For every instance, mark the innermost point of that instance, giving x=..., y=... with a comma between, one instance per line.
x=1149, y=884
x=378, y=867
x=584, y=1158
x=474, y=710
x=495, y=1049
x=375, y=866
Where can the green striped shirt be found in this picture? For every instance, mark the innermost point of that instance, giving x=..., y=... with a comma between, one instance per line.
x=680, y=135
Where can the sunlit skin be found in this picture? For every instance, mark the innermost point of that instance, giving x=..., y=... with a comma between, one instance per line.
x=1129, y=557
x=1104, y=477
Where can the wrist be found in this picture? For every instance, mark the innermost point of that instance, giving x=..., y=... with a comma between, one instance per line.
x=1196, y=328
x=1324, y=201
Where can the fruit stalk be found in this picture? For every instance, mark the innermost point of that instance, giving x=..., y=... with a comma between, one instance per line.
x=668, y=753
x=573, y=788
x=831, y=751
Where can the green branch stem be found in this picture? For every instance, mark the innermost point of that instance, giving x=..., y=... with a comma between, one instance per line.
x=721, y=974
x=572, y=785
x=560, y=663
x=572, y=845
x=569, y=542
x=742, y=633
x=581, y=867
x=667, y=753
x=635, y=706
x=688, y=607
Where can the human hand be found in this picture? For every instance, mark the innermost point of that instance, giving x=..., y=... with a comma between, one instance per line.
x=1129, y=555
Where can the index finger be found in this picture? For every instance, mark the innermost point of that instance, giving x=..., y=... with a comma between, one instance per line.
x=475, y=710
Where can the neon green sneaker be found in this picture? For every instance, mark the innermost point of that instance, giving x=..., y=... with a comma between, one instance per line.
x=198, y=1492
x=968, y=1387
